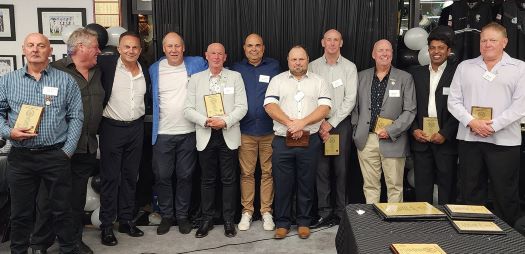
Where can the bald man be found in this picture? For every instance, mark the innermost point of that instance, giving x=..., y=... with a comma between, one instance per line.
x=385, y=109
x=256, y=131
x=341, y=75
x=218, y=134
x=44, y=156
x=173, y=137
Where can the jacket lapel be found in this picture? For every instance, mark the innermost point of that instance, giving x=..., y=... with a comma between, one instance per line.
x=439, y=89
x=392, y=84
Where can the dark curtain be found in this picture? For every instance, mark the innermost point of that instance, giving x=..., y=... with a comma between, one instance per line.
x=281, y=23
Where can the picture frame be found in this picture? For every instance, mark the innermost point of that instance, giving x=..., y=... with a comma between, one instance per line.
x=51, y=21
x=7, y=64
x=24, y=59
x=7, y=22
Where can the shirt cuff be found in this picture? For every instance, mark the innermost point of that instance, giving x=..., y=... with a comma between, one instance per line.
x=269, y=100
x=324, y=101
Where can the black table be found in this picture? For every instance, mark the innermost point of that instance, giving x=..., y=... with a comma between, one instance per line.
x=369, y=234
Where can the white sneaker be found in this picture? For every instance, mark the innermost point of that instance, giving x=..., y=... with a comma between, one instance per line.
x=244, y=224
x=268, y=221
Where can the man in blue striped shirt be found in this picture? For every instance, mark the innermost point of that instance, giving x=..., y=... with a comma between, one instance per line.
x=45, y=155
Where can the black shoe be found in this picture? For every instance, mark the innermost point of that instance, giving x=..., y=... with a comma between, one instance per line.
x=84, y=249
x=107, y=237
x=165, y=225
x=229, y=229
x=323, y=221
x=44, y=251
x=204, y=228
x=185, y=226
x=130, y=229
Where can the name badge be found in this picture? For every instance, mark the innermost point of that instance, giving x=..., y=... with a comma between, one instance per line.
x=337, y=83
x=229, y=90
x=489, y=76
x=394, y=93
x=264, y=78
x=49, y=90
x=446, y=90
x=299, y=96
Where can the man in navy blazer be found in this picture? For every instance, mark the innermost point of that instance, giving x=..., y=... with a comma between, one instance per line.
x=435, y=155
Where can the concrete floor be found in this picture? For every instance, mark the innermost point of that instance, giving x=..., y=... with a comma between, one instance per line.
x=255, y=240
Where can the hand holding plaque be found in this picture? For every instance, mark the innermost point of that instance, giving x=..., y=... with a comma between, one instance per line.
x=214, y=105
x=382, y=123
x=29, y=118
x=331, y=146
x=430, y=126
x=481, y=113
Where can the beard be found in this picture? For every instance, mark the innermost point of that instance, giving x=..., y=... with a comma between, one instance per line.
x=298, y=71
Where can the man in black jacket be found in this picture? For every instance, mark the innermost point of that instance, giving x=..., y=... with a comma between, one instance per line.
x=435, y=154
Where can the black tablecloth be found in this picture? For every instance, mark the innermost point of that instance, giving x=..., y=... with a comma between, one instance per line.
x=369, y=234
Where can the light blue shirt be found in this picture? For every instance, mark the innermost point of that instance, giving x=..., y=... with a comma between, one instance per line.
x=505, y=94
x=62, y=118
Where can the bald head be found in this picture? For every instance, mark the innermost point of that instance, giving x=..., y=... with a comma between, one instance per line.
x=216, y=57
x=37, y=49
x=173, y=48
x=332, y=42
x=253, y=49
x=382, y=53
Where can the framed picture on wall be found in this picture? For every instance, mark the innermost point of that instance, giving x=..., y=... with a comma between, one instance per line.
x=7, y=64
x=51, y=21
x=24, y=59
x=7, y=22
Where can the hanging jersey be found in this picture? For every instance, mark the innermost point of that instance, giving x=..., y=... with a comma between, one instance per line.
x=512, y=17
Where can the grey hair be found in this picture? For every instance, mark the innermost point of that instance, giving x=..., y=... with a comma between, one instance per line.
x=79, y=36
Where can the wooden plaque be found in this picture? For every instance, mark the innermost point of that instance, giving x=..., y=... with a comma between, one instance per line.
x=214, y=105
x=29, y=117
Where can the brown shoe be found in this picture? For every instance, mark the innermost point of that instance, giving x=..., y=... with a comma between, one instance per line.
x=303, y=232
x=280, y=233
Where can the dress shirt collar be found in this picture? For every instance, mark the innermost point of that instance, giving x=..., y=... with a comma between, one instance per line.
x=45, y=71
x=217, y=76
x=290, y=75
x=505, y=60
x=263, y=61
x=336, y=61
x=440, y=68
x=121, y=65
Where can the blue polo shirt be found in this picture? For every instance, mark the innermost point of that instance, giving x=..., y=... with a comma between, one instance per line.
x=256, y=122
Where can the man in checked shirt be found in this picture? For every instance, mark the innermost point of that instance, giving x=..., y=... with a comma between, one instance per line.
x=43, y=156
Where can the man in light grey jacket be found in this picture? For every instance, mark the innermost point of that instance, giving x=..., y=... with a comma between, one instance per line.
x=386, y=95
x=218, y=136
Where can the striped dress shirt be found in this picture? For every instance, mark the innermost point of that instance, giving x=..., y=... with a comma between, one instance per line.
x=62, y=118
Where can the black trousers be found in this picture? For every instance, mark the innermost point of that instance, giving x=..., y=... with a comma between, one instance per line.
x=120, y=156
x=294, y=167
x=26, y=171
x=82, y=165
x=174, y=154
x=480, y=161
x=216, y=159
x=434, y=166
x=333, y=169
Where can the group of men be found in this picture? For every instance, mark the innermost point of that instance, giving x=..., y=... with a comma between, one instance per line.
x=280, y=119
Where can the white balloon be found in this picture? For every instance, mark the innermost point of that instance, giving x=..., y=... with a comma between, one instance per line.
x=410, y=178
x=92, y=198
x=415, y=38
x=67, y=31
x=423, y=57
x=95, y=220
x=114, y=33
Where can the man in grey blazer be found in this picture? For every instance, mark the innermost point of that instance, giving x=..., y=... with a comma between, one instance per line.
x=387, y=93
x=218, y=137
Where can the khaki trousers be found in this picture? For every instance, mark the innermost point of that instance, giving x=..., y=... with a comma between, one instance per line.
x=372, y=163
x=251, y=147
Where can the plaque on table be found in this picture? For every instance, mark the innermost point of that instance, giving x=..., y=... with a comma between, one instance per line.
x=468, y=212
x=416, y=248
x=214, y=105
x=430, y=126
x=331, y=146
x=303, y=141
x=29, y=117
x=409, y=211
x=481, y=113
x=382, y=123
x=477, y=227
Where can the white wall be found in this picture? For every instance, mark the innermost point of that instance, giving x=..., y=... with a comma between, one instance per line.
x=26, y=21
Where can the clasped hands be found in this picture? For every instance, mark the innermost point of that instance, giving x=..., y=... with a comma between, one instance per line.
x=481, y=128
x=295, y=126
x=422, y=137
x=215, y=123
